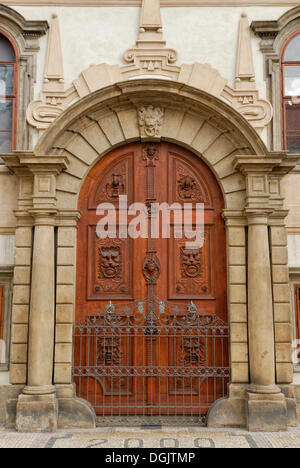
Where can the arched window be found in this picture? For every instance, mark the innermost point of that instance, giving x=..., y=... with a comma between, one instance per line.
x=291, y=94
x=8, y=101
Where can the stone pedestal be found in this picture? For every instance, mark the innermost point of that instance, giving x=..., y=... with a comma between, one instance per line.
x=266, y=412
x=37, y=413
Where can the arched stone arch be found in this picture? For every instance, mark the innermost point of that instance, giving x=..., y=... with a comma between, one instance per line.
x=192, y=118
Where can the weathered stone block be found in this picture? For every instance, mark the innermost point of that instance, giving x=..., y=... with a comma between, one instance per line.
x=239, y=333
x=65, y=275
x=63, y=353
x=19, y=353
x=283, y=352
x=66, y=237
x=23, y=237
x=278, y=236
x=65, y=256
x=266, y=413
x=239, y=352
x=239, y=372
x=281, y=292
x=18, y=374
x=237, y=274
x=237, y=294
x=236, y=236
x=37, y=413
x=238, y=313
x=237, y=256
x=282, y=312
x=65, y=294
x=280, y=274
x=64, y=333
x=64, y=313
x=23, y=256
x=284, y=373
x=63, y=373
x=21, y=294
x=19, y=333
x=20, y=313
x=279, y=255
x=21, y=275
x=283, y=332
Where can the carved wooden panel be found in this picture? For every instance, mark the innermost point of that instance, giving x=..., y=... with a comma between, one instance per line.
x=116, y=181
x=187, y=184
x=191, y=269
x=109, y=267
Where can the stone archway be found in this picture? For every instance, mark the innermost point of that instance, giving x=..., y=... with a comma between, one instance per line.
x=249, y=178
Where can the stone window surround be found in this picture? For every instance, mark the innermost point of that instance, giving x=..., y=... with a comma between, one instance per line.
x=274, y=36
x=25, y=36
x=6, y=280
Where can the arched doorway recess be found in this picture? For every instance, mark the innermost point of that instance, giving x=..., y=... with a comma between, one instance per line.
x=151, y=337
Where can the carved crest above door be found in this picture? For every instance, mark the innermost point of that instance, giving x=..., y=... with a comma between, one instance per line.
x=150, y=58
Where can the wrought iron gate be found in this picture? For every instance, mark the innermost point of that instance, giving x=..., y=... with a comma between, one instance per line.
x=151, y=362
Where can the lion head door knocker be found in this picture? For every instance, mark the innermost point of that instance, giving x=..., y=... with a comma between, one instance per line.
x=151, y=268
x=110, y=261
x=150, y=121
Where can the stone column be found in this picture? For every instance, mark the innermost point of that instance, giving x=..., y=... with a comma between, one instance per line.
x=266, y=404
x=37, y=406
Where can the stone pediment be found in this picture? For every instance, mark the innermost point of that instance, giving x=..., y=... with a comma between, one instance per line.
x=150, y=58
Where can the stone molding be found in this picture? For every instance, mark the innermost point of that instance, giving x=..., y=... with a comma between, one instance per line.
x=150, y=57
x=164, y=3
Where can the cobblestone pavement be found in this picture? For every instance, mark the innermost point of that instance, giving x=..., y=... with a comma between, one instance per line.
x=164, y=437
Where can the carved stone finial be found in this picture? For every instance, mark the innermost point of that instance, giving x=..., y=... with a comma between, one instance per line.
x=54, y=71
x=244, y=76
x=150, y=121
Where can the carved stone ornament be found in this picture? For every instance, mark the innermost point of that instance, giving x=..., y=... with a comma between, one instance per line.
x=150, y=121
x=151, y=58
x=151, y=268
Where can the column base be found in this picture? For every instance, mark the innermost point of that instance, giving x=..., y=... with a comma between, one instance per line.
x=266, y=412
x=37, y=413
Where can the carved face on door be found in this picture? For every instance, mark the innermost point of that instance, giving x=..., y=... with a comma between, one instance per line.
x=191, y=262
x=110, y=261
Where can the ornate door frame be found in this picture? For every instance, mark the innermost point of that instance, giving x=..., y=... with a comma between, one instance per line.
x=249, y=176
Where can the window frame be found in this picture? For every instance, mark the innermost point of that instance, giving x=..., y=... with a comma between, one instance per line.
x=284, y=98
x=14, y=96
x=6, y=281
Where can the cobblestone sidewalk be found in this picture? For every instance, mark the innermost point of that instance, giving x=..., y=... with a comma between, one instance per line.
x=165, y=437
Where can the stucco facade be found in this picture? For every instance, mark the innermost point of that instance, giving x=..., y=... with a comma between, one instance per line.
x=87, y=72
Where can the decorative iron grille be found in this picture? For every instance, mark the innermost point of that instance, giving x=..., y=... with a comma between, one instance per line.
x=151, y=362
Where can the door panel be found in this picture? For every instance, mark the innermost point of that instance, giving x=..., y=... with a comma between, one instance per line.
x=166, y=355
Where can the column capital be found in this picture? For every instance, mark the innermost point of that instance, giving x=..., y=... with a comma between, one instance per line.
x=258, y=217
x=43, y=217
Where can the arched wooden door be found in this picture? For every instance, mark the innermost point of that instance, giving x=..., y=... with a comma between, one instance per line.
x=151, y=335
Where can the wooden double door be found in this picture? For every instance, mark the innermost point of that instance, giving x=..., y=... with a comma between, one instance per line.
x=151, y=336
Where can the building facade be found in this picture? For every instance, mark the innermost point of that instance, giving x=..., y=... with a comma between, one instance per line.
x=178, y=102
